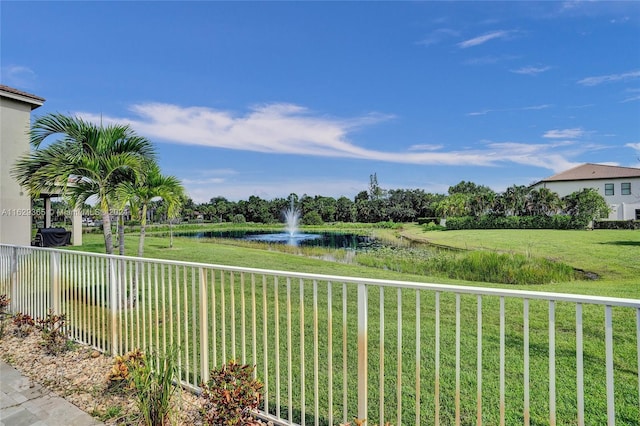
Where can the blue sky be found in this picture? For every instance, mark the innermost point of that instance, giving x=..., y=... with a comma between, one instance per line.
x=270, y=98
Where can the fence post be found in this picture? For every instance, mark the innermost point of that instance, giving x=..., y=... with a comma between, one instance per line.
x=204, y=324
x=363, y=314
x=14, y=280
x=113, y=303
x=54, y=282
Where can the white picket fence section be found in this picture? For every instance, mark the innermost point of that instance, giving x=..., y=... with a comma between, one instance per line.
x=330, y=348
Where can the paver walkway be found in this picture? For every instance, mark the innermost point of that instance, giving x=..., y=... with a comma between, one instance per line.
x=24, y=402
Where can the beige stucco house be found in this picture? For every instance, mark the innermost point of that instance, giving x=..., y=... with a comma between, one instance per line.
x=620, y=186
x=15, y=203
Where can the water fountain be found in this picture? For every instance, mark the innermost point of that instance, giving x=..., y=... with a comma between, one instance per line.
x=291, y=235
x=291, y=219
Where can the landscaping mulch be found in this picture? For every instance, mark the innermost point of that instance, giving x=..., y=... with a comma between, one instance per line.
x=80, y=376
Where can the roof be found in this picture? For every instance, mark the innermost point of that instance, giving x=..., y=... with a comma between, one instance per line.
x=591, y=171
x=19, y=95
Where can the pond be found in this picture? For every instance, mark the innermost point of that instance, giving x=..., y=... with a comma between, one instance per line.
x=331, y=240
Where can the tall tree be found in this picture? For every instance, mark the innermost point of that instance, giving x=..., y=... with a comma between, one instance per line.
x=586, y=205
x=89, y=162
x=514, y=200
x=375, y=191
x=150, y=185
x=544, y=202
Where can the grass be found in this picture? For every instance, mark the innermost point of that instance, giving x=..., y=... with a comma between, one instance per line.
x=610, y=254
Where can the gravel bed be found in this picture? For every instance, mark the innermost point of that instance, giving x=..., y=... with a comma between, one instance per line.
x=80, y=376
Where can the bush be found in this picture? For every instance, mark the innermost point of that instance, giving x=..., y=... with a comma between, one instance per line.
x=312, y=218
x=432, y=226
x=426, y=220
x=616, y=224
x=239, y=218
x=54, y=338
x=152, y=381
x=515, y=222
x=389, y=224
x=4, y=305
x=120, y=375
x=230, y=395
x=23, y=324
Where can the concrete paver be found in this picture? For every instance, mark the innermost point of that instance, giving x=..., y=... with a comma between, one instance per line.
x=26, y=403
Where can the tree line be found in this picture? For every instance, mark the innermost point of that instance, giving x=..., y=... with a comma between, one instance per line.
x=465, y=199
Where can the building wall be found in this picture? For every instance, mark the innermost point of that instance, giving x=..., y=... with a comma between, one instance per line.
x=623, y=207
x=15, y=204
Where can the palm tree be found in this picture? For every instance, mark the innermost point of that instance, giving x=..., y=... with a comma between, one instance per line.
x=544, y=202
x=88, y=162
x=150, y=185
x=515, y=200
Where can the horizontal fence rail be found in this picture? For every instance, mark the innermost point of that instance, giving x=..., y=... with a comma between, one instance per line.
x=330, y=349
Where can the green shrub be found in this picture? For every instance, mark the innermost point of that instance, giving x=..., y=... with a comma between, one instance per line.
x=312, y=218
x=388, y=224
x=425, y=220
x=616, y=224
x=239, y=218
x=515, y=222
x=152, y=382
x=230, y=395
x=432, y=226
x=119, y=377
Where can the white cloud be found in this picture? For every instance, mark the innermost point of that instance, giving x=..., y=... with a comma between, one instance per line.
x=527, y=108
x=489, y=60
x=438, y=36
x=631, y=99
x=482, y=112
x=425, y=147
x=635, y=146
x=207, y=181
x=476, y=41
x=564, y=133
x=294, y=130
x=18, y=76
x=594, y=81
x=275, y=129
x=539, y=155
x=531, y=70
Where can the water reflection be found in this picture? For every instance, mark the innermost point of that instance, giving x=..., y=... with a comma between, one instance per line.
x=321, y=239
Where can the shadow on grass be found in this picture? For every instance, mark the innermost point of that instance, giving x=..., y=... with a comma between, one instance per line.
x=623, y=243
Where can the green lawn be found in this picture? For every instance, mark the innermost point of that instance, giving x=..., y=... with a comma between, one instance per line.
x=611, y=254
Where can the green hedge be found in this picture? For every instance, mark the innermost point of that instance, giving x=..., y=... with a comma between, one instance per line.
x=616, y=224
x=515, y=222
x=425, y=220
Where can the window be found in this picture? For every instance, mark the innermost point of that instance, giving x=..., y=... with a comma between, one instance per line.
x=637, y=214
x=625, y=188
x=608, y=189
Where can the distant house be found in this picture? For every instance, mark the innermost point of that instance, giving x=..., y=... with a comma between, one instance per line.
x=620, y=186
x=15, y=203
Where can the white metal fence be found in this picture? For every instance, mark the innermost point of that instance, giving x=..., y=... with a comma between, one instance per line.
x=329, y=349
